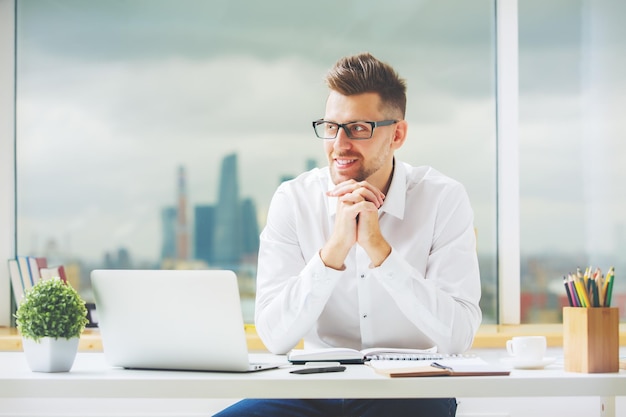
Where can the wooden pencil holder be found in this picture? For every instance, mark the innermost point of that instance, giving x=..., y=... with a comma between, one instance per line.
x=591, y=339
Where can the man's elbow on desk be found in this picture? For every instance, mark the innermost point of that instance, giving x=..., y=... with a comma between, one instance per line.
x=275, y=345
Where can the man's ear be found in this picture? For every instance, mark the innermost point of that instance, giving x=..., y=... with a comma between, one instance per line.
x=400, y=133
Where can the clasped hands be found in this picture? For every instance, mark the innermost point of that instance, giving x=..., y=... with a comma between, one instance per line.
x=356, y=221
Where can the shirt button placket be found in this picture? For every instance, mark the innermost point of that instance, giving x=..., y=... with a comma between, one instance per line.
x=363, y=276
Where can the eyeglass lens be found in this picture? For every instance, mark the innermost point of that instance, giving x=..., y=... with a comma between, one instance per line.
x=356, y=130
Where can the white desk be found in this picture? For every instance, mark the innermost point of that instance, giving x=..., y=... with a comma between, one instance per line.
x=91, y=377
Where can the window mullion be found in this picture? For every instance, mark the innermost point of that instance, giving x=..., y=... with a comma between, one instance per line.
x=507, y=93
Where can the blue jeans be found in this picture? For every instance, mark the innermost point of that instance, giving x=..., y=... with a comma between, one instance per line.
x=422, y=407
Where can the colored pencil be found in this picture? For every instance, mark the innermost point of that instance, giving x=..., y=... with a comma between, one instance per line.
x=568, y=292
x=589, y=289
x=609, y=294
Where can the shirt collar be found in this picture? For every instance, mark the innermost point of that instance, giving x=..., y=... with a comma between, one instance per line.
x=394, y=200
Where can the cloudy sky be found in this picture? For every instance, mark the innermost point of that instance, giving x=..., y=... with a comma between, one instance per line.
x=114, y=96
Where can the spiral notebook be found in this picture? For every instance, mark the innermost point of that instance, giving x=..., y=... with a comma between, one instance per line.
x=349, y=356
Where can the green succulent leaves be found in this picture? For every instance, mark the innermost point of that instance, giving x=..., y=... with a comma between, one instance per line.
x=51, y=308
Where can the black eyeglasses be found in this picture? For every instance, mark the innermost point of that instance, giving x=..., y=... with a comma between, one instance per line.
x=354, y=130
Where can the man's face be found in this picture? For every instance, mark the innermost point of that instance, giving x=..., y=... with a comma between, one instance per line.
x=369, y=159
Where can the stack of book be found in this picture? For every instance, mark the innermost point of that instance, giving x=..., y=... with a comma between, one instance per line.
x=26, y=271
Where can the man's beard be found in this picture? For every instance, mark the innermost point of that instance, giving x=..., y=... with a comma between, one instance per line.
x=363, y=173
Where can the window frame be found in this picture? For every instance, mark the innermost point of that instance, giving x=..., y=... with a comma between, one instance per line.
x=507, y=163
x=507, y=159
x=7, y=156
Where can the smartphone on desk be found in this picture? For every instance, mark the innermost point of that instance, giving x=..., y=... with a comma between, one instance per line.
x=318, y=370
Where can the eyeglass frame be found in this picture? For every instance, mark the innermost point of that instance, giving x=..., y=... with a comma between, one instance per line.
x=344, y=126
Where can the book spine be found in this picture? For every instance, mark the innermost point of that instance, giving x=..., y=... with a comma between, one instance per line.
x=34, y=269
x=62, y=274
x=27, y=281
x=16, y=280
x=54, y=272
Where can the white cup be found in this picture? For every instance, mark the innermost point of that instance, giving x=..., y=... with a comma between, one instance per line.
x=527, y=348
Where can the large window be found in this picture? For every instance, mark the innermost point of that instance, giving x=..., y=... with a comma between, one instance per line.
x=572, y=148
x=152, y=134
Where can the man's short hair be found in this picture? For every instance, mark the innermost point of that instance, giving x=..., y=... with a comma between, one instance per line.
x=363, y=73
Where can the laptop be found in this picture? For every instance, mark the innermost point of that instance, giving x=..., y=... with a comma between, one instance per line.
x=172, y=319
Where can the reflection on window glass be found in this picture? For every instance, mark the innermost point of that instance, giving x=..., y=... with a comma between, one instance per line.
x=573, y=144
x=152, y=134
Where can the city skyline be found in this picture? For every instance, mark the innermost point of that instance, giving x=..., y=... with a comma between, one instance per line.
x=224, y=234
x=542, y=295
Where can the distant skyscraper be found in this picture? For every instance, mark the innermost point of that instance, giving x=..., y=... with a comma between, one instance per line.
x=119, y=260
x=182, y=227
x=227, y=238
x=204, y=230
x=109, y=261
x=310, y=164
x=250, y=228
x=123, y=259
x=168, y=225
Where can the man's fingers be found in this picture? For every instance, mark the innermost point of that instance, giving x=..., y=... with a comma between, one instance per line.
x=363, y=189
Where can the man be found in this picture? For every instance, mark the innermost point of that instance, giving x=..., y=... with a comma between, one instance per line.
x=367, y=252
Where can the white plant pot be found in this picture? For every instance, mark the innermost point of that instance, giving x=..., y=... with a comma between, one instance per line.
x=50, y=354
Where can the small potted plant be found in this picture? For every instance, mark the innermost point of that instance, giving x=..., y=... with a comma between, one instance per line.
x=51, y=318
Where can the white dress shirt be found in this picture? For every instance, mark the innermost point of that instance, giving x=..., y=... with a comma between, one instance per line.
x=424, y=294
